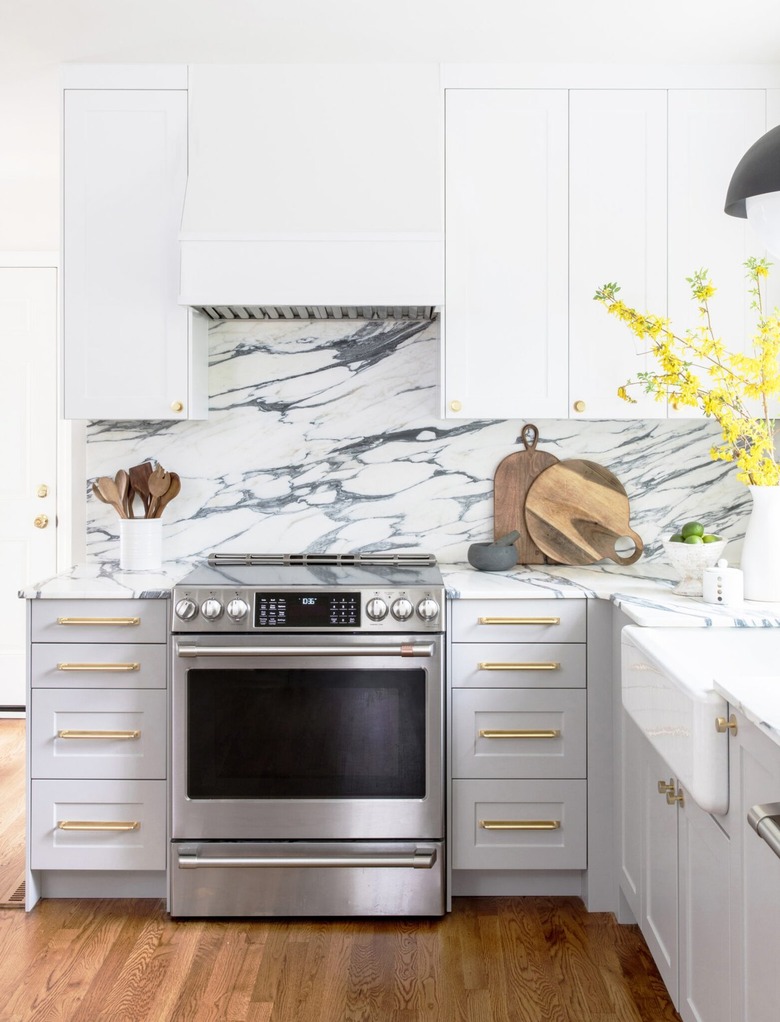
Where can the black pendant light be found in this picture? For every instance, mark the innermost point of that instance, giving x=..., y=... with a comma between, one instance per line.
x=754, y=190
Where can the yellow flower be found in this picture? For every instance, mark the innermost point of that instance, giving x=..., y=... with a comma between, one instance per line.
x=698, y=371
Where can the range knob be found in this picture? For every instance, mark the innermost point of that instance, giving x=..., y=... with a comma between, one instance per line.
x=186, y=609
x=211, y=609
x=402, y=609
x=428, y=608
x=237, y=609
x=376, y=609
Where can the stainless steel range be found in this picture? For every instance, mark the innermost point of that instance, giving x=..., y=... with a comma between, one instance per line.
x=307, y=742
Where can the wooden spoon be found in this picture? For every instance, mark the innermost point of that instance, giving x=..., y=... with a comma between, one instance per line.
x=139, y=480
x=122, y=482
x=173, y=491
x=109, y=494
x=159, y=481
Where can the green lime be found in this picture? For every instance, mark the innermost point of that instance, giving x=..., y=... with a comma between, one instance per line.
x=692, y=529
x=711, y=539
x=693, y=539
x=676, y=538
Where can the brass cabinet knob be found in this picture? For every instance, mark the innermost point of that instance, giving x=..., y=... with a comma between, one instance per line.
x=42, y=491
x=177, y=406
x=722, y=725
x=664, y=788
x=455, y=406
x=579, y=406
x=41, y=521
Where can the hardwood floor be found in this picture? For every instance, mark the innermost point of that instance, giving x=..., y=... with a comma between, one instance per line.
x=11, y=808
x=490, y=960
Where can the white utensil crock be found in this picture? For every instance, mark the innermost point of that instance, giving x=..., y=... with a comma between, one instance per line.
x=140, y=544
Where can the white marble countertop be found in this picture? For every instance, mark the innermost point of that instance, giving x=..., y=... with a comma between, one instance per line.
x=755, y=696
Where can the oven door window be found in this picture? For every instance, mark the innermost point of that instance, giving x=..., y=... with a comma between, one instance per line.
x=306, y=734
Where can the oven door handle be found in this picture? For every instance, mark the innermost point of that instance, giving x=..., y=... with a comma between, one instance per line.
x=402, y=649
x=422, y=858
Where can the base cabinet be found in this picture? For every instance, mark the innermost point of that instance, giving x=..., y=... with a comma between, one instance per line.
x=676, y=870
x=97, y=747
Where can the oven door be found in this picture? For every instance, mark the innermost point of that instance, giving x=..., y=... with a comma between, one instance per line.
x=307, y=738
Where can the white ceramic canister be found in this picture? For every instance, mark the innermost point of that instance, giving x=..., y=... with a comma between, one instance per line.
x=723, y=585
x=140, y=544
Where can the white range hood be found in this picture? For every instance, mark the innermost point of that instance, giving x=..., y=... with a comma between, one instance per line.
x=314, y=191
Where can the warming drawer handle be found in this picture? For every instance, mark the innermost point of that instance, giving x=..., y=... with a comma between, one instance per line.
x=541, y=665
x=488, y=732
x=765, y=821
x=519, y=620
x=417, y=860
x=127, y=622
x=120, y=735
x=404, y=649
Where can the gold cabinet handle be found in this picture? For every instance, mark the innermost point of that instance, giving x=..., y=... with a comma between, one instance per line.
x=121, y=621
x=113, y=825
x=552, y=732
x=722, y=725
x=122, y=735
x=98, y=667
x=520, y=824
x=41, y=521
x=664, y=788
x=518, y=620
x=499, y=666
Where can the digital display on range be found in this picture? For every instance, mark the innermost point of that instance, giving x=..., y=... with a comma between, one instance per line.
x=306, y=610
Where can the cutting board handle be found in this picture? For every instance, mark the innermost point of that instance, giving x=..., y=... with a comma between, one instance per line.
x=632, y=557
x=529, y=431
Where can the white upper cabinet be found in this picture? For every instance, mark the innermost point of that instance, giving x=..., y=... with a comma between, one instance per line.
x=617, y=215
x=130, y=351
x=709, y=133
x=506, y=197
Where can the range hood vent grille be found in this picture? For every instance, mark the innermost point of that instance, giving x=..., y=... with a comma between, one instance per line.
x=225, y=313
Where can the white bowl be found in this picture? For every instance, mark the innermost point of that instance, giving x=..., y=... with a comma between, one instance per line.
x=689, y=560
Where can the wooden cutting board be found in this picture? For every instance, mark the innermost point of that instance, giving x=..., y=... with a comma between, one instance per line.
x=511, y=484
x=575, y=511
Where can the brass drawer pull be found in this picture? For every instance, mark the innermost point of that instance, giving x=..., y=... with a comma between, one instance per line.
x=113, y=825
x=99, y=667
x=552, y=732
x=122, y=735
x=519, y=620
x=490, y=665
x=122, y=621
x=520, y=824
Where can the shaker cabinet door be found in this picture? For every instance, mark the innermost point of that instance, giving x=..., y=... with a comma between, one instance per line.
x=506, y=225
x=129, y=347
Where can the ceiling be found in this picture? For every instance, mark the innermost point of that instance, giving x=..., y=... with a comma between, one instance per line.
x=258, y=31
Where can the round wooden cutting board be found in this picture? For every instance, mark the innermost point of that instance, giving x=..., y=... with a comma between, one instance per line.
x=576, y=510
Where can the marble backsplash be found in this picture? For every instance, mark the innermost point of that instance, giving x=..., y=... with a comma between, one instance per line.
x=325, y=435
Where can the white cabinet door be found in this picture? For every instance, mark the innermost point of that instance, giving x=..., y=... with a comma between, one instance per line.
x=617, y=232
x=709, y=132
x=658, y=918
x=506, y=225
x=755, y=759
x=705, y=917
x=130, y=351
x=632, y=800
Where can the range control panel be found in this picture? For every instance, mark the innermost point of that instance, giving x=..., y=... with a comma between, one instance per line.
x=416, y=609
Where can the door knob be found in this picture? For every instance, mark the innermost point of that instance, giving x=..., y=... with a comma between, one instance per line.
x=42, y=491
x=41, y=521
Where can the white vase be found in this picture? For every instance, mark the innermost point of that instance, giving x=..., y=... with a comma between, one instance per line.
x=140, y=544
x=761, y=550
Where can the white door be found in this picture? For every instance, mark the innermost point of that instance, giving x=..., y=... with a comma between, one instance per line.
x=28, y=456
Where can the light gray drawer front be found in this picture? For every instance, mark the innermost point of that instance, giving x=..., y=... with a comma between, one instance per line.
x=98, y=734
x=504, y=825
x=99, y=620
x=518, y=665
x=519, y=620
x=510, y=733
x=98, y=665
x=107, y=825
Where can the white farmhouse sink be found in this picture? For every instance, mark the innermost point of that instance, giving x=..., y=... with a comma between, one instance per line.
x=667, y=684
